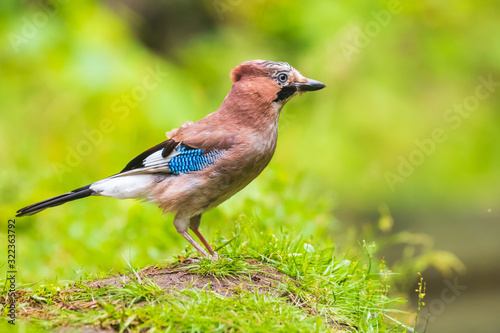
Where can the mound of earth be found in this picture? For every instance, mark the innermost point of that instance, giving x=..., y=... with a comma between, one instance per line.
x=180, y=276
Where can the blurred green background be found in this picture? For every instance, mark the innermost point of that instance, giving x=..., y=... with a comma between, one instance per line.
x=402, y=147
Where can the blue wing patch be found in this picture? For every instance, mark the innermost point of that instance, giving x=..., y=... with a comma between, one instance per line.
x=189, y=160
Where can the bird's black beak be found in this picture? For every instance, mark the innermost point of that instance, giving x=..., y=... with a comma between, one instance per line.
x=310, y=85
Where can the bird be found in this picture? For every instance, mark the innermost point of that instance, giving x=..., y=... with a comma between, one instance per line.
x=204, y=163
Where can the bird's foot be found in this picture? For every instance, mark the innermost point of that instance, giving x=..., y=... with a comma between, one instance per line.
x=214, y=256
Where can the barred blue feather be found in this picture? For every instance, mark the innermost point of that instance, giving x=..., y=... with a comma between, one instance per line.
x=189, y=160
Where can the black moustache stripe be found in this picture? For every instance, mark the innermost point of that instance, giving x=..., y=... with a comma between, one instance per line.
x=285, y=92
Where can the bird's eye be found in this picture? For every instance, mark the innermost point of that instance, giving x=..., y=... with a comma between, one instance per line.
x=282, y=78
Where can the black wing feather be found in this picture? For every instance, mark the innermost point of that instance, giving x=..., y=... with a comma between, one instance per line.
x=138, y=162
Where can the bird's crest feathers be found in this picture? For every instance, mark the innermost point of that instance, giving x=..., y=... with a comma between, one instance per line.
x=258, y=68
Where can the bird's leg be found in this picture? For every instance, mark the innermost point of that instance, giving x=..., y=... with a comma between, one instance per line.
x=194, y=224
x=182, y=224
x=197, y=246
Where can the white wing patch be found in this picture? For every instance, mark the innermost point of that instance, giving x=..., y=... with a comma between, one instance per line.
x=156, y=161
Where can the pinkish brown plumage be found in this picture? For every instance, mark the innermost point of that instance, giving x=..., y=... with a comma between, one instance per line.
x=204, y=163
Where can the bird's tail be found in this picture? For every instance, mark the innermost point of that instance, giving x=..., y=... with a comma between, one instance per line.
x=79, y=193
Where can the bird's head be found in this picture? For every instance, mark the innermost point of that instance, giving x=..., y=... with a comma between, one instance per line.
x=272, y=82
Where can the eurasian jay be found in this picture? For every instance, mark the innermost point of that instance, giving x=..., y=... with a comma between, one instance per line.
x=203, y=164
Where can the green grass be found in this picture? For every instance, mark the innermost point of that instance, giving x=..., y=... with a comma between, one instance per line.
x=324, y=292
x=326, y=179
